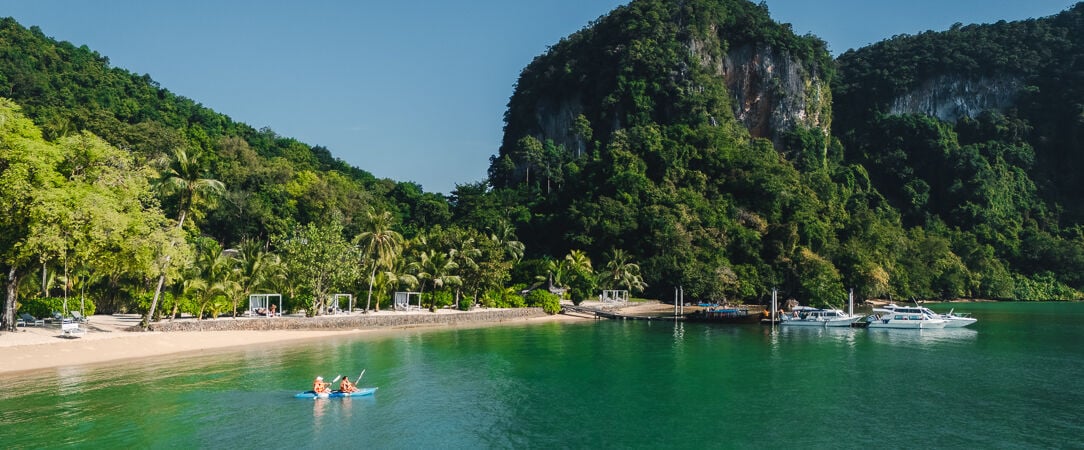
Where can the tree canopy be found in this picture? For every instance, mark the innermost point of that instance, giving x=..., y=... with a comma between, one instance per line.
x=634, y=155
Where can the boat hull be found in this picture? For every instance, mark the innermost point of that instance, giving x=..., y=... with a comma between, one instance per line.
x=723, y=318
x=817, y=323
x=959, y=322
x=908, y=324
x=337, y=394
x=807, y=316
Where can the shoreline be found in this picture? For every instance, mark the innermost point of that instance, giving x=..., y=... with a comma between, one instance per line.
x=109, y=339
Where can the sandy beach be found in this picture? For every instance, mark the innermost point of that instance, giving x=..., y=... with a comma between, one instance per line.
x=107, y=339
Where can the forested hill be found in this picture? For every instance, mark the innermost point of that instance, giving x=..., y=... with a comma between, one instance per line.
x=698, y=138
x=695, y=136
x=1019, y=84
x=977, y=133
x=273, y=181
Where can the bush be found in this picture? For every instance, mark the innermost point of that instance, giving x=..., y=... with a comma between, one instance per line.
x=490, y=298
x=185, y=304
x=582, y=285
x=438, y=299
x=503, y=298
x=513, y=301
x=552, y=305
x=302, y=301
x=143, y=303
x=1042, y=287
x=44, y=307
x=549, y=302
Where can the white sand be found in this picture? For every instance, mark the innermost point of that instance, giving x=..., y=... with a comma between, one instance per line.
x=35, y=348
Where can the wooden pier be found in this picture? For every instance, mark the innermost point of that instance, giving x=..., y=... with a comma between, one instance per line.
x=582, y=311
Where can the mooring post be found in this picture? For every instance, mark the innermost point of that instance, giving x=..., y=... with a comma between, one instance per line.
x=850, y=303
x=775, y=303
x=682, y=289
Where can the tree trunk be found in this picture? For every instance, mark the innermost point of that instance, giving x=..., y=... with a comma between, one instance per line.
x=9, y=303
x=173, y=314
x=154, y=301
x=161, y=281
x=421, y=295
x=67, y=281
x=369, y=298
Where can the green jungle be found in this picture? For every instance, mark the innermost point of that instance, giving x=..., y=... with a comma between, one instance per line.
x=695, y=143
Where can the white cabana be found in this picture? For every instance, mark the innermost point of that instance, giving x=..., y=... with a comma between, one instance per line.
x=260, y=304
x=614, y=296
x=336, y=302
x=402, y=300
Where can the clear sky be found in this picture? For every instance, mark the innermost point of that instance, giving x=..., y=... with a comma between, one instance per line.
x=412, y=90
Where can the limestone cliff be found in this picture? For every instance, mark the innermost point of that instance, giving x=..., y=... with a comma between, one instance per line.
x=772, y=91
x=714, y=63
x=951, y=97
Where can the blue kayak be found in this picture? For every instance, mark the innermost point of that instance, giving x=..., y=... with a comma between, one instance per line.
x=361, y=392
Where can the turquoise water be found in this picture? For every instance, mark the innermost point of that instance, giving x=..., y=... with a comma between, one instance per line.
x=1012, y=380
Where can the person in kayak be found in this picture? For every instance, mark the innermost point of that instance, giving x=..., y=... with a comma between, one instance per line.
x=347, y=387
x=321, y=387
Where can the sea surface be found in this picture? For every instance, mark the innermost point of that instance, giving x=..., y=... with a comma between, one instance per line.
x=1013, y=380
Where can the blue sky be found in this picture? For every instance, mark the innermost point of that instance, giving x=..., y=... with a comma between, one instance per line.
x=410, y=90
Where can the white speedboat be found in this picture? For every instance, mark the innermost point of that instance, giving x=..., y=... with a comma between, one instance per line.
x=951, y=320
x=957, y=320
x=904, y=317
x=808, y=316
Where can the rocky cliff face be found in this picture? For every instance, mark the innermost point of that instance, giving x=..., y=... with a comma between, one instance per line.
x=555, y=117
x=697, y=63
x=772, y=91
x=952, y=97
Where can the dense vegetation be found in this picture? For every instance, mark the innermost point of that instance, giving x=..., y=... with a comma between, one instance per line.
x=136, y=199
x=1000, y=189
x=896, y=206
x=665, y=172
x=221, y=207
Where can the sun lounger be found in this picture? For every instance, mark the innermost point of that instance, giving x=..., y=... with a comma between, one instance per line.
x=79, y=317
x=59, y=317
x=27, y=319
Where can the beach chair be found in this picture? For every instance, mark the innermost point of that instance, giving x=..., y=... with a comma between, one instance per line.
x=58, y=317
x=79, y=317
x=71, y=330
x=27, y=319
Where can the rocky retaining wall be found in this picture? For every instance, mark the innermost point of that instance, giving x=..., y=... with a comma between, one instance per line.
x=348, y=321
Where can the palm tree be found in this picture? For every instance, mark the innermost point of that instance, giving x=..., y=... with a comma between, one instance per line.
x=196, y=288
x=578, y=259
x=620, y=272
x=436, y=267
x=505, y=235
x=219, y=272
x=579, y=275
x=381, y=245
x=184, y=177
x=256, y=268
x=555, y=272
x=465, y=256
x=391, y=278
